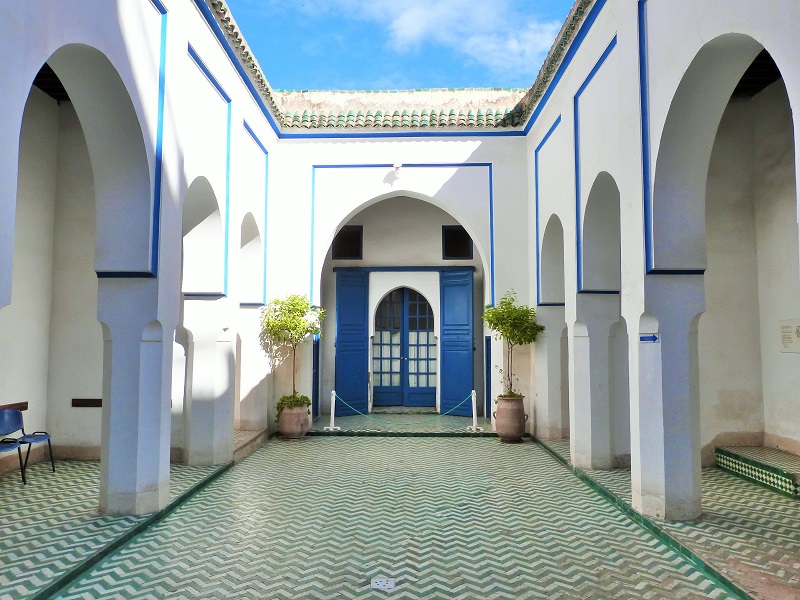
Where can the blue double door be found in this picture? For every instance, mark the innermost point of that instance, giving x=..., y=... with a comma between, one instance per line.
x=408, y=361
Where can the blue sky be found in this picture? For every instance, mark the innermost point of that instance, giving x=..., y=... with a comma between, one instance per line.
x=399, y=44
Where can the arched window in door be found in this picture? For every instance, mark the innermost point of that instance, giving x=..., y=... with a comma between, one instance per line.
x=404, y=351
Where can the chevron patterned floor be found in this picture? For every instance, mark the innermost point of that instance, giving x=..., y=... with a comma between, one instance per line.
x=446, y=517
x=51, y=525
x=747, y=532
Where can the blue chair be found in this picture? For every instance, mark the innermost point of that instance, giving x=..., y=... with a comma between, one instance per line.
x=11, y=422
x=9, y=445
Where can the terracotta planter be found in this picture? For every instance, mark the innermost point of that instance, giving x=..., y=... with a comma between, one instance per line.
x=293, y=422
x=510, y=419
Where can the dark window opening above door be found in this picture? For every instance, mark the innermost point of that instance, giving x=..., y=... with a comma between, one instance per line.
x=348, y=243
x=456, y=243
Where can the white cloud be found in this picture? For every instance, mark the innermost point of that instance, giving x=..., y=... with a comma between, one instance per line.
x=503, y=35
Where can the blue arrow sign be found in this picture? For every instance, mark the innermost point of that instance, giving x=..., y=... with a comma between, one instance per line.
x=652, y=338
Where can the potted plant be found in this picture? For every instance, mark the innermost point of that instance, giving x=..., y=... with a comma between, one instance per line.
x=516, y=325
x=285, y=323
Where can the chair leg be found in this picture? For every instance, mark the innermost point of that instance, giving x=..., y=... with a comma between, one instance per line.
x=52, y=462
x=27, y=454
x=21, y=468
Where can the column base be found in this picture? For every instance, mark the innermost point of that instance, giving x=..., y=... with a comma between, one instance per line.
x=140, y=503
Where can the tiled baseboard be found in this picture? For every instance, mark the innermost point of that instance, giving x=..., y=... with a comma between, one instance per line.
x=758, y=471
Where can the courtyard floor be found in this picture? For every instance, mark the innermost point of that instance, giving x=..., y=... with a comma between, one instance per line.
x=444, y=517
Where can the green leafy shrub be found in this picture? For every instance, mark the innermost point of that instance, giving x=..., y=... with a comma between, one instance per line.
x=285, y=323
x=290, y=401
x=516, y=325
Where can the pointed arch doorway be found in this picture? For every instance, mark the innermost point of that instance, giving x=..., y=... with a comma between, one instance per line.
x=404, y=351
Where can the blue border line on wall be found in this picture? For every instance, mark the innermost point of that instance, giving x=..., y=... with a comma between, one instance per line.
x=576, y=117
x=209, y=75
x=266, y=203
x=644, y=102
x=204, y=295
x=488, y=165
x=536, y=207
x=221, y=91
x=159, y=6
x=159, y=166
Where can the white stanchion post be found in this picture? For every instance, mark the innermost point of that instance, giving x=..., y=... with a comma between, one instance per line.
x=333, y=413
x=474, y=427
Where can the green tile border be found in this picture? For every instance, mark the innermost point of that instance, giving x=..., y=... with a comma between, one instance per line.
x=789, y=478
x=63, y=581
x=653, y=528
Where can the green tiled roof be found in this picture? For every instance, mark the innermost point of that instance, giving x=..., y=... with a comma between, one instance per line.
x=459, y=108
x=442, y=117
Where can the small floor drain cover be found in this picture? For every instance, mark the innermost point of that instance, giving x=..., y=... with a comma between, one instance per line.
x=382, y=583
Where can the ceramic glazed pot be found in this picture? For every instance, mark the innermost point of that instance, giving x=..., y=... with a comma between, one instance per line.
x=293, y=422
x=510, y=419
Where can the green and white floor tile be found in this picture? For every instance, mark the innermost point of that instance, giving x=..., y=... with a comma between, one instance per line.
x=747, y=532
x=445, y=517
x=52, y=525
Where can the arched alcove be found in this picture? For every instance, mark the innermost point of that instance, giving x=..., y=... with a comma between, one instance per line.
x=203, y=241
x=552, y=263
x=600, y=256
x=251, y=262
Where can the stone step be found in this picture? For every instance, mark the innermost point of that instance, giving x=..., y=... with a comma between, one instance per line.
x=770, y=467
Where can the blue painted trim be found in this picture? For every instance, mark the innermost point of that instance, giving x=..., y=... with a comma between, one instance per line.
x=576, y=117
x=487, y=361
x=404, y=134
x=536, y=204
x=644, y=103
x=209, y=75
x=159, y=165
x=491, y=229
x=253, y=135
x=586, y=26
x=405, y=166
x=435, y=269
x=125, y=275
x=251, y=304
x=266, y=223
x=551, y=304
x=226, y=253
x=266, y=202
x=159, y=6
x=600, y=292
x=313, y=213
x=204, y=295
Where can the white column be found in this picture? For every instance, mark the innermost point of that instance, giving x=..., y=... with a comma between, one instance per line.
x=665, y=432
x=134, y=465
x=548, y=410
x=208, y=405
x=590, y=427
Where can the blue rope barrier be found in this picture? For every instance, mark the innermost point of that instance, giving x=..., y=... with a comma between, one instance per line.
x=338, y=397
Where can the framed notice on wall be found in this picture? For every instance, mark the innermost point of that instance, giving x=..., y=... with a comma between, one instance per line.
x=790, y=336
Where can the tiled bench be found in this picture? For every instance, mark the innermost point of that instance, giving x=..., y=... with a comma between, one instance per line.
x=773, y=468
